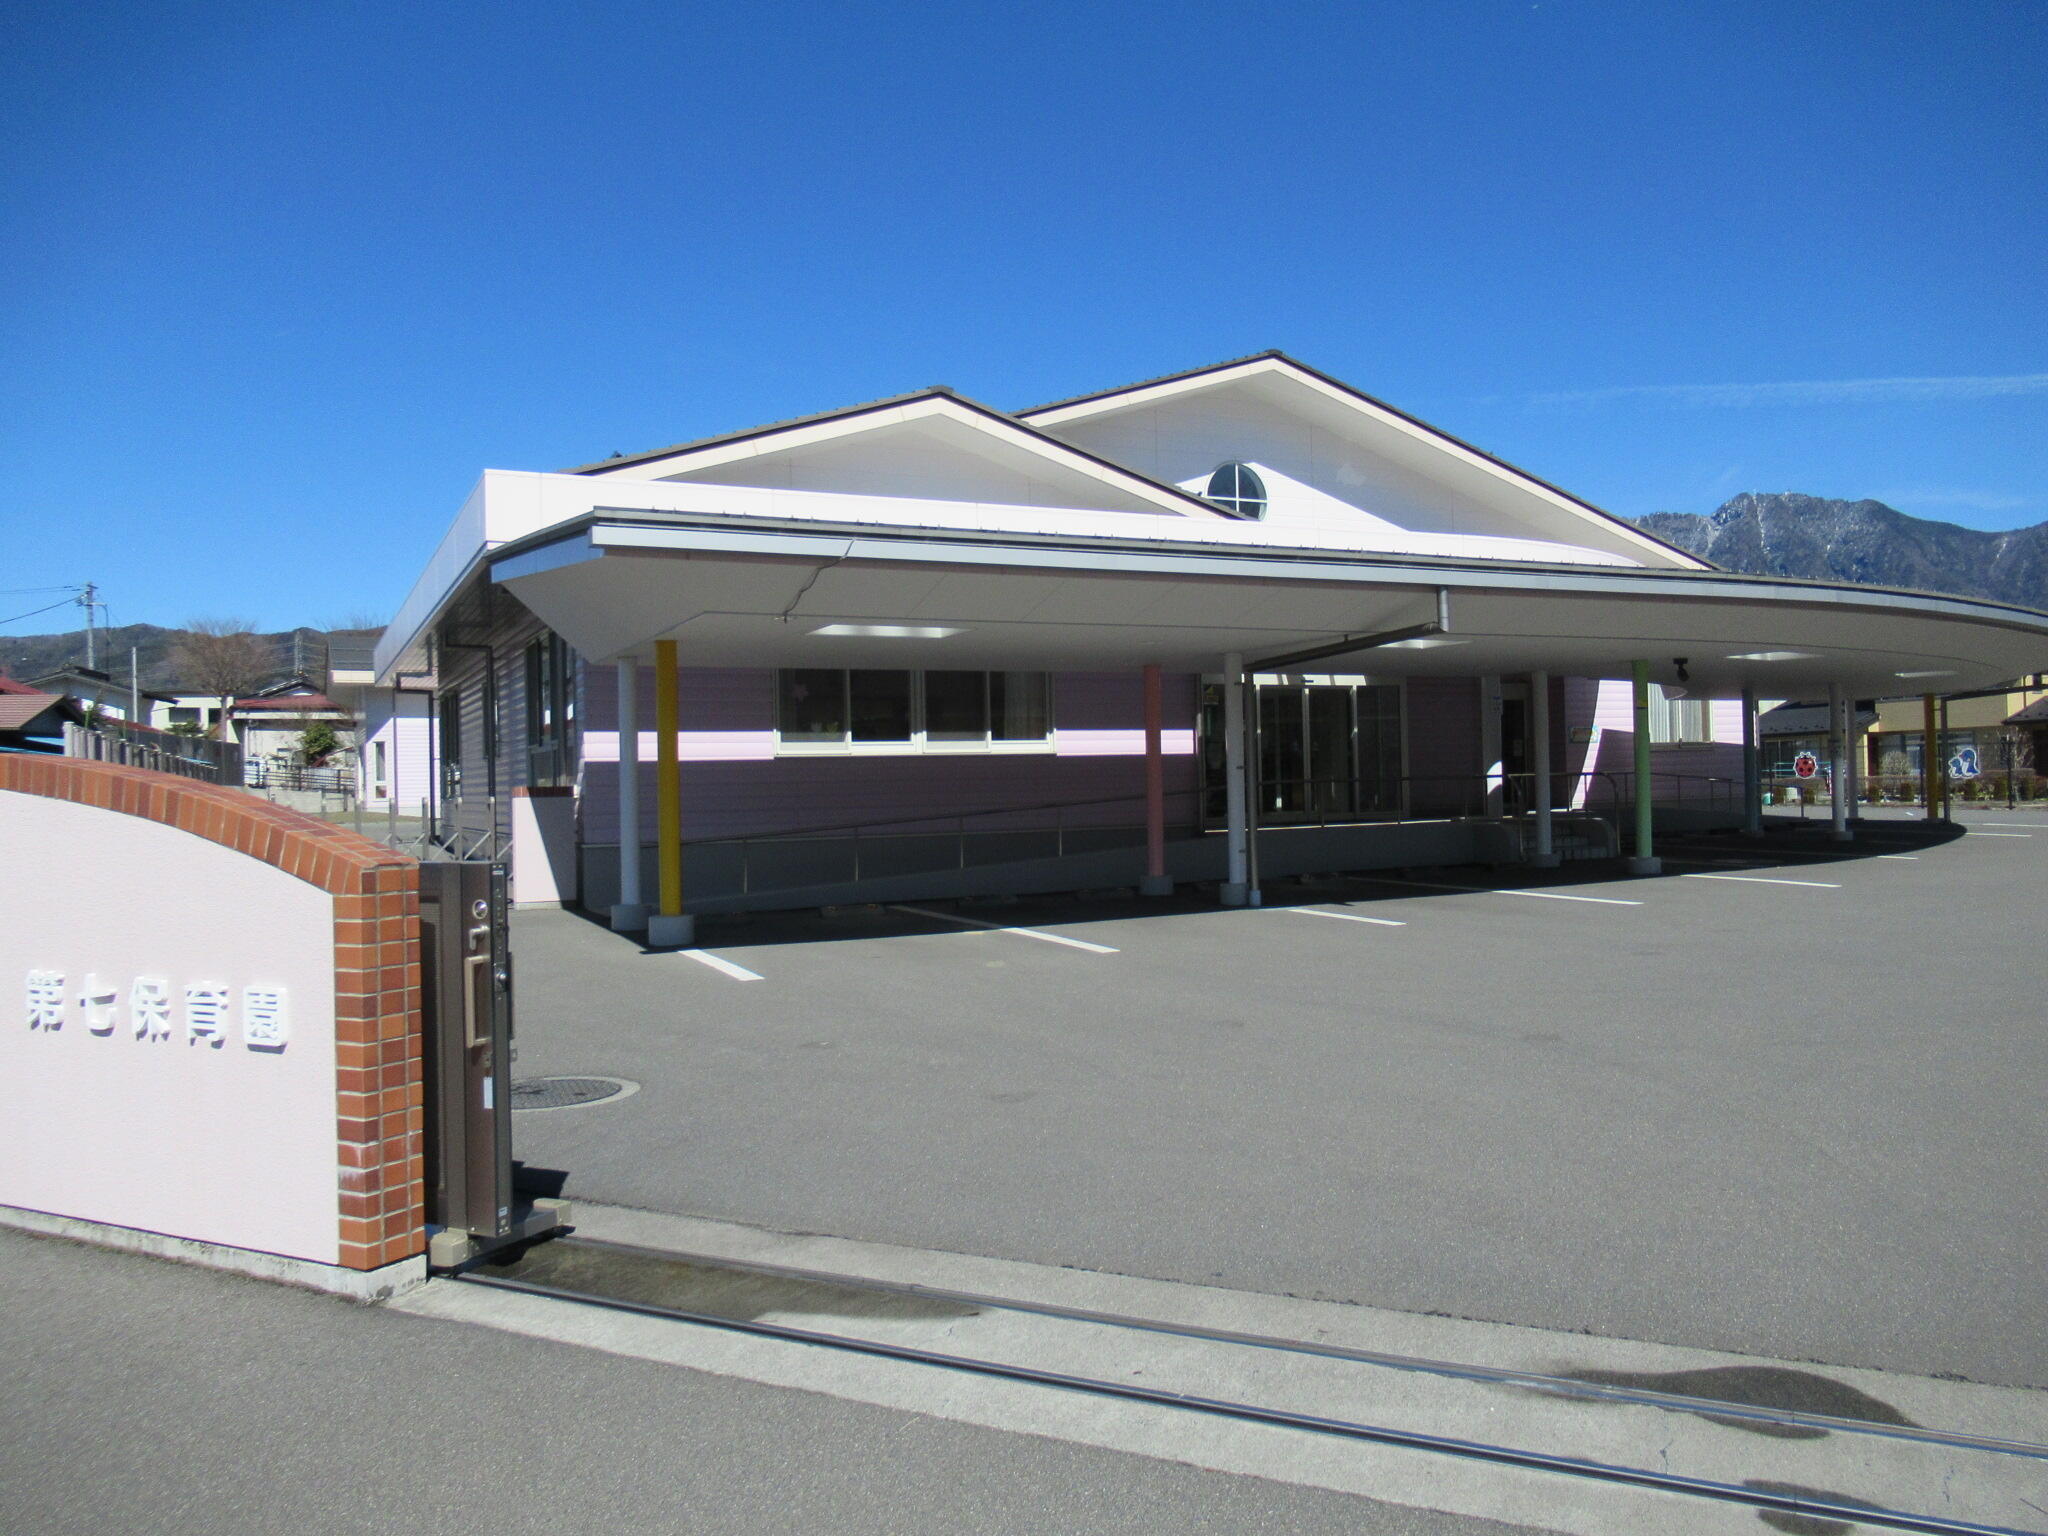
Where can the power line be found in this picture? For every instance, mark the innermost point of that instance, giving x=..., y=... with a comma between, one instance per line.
x=61, y=602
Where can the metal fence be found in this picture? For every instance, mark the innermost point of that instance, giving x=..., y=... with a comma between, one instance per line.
x=328, y=779
x=138, y=746
x=425, y=834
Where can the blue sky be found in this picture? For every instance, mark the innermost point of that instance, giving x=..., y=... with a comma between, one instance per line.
x=280, y=280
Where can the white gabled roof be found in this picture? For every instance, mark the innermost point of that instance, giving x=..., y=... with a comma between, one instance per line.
x=1408, y=445
x=934, y=444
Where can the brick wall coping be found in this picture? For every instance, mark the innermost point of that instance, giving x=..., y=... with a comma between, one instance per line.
x=330, y=857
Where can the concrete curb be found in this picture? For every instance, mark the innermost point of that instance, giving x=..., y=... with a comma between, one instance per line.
x=371, y=1285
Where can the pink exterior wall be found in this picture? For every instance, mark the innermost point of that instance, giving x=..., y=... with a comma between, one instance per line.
x=1443, y=746
x=1695, y=773
x=735, y=785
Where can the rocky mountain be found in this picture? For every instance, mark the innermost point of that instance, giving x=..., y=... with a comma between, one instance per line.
x=1788, y=534
x=24, y=657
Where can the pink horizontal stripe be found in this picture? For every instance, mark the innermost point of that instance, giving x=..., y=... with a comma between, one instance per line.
x=691, y=746
x=1123, y=743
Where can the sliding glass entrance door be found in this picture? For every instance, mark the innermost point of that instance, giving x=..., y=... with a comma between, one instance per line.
x=1327, y=752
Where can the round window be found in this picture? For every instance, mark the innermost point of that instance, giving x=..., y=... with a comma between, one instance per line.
x=1236, y=489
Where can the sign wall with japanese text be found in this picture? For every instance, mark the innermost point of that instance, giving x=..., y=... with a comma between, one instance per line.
x=209, y=1017
x=171, y=1055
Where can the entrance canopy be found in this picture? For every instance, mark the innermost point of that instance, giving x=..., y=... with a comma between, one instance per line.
x=735, y=592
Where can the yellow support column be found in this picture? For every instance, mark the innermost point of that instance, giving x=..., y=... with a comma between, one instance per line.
x=668, y=928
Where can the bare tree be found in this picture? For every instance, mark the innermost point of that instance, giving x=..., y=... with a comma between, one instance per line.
x=225, y=658
x=355, y=621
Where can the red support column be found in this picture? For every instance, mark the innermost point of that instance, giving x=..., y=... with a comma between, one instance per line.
x=1155, y=882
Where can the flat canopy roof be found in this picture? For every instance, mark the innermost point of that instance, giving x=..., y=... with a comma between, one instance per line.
x=745, y=592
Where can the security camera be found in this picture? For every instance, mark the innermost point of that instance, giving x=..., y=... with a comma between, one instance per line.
x=1683, y=675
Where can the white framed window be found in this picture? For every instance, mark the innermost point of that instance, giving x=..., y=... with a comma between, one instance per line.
x=882, y=711
x=1677, y=722
x=1236, y=488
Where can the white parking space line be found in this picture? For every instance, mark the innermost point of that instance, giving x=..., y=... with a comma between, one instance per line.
x=1498, y=890
x=720, y=963
x=1342, y=917
x=1980, y=832
x=1907, y=856
x=1022, y=933
x=1818, y=885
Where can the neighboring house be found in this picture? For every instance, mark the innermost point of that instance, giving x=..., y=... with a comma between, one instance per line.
x=923, y=646
x=187, y=709
x=1984, y=721
x=269, y=724
x=32, y=720
x=2003, y=727
x=2029, y=726
x=397, y=752
x=98, y=692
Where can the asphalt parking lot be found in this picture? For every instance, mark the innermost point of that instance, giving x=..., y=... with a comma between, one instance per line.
x=1776, y=1100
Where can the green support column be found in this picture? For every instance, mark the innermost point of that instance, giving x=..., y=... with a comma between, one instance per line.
x=1645, y=861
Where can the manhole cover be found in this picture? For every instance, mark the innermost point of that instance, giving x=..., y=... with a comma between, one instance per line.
x=568, y=1092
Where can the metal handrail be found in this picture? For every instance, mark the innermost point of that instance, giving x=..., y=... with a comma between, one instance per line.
x=927, y=817
x=1620, y=787
x=955, y=825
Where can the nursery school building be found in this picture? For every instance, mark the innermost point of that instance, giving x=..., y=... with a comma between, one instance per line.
x=1230, y=624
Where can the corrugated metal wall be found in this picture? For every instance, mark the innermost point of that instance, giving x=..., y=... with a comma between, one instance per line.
x=488, y=644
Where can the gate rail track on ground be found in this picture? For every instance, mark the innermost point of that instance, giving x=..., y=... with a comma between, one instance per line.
x=1473, y=1450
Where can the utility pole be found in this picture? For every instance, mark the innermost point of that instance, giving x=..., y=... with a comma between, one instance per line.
x=135, y=684
x=86, y=599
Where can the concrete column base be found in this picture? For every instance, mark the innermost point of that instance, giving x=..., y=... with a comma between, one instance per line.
x=1649, y=866
x=1155, y=885
x=1232, y=893
x=1841, y=835
x=1545, y=860
x=629, y=917
x=665, y=932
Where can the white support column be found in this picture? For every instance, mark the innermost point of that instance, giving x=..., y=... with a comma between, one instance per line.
x=1539, y=766
x=1235, y=882
x=1490, y=765
x=1752, y=769
x=1838, y=771
x=629, y=914
x=1852, y=753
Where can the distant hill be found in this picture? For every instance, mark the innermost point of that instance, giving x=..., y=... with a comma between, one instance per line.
x=1788, y=534
x=28, y=656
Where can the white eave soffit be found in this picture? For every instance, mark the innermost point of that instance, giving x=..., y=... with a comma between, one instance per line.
x=1059, y=457
x=1052, y=417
